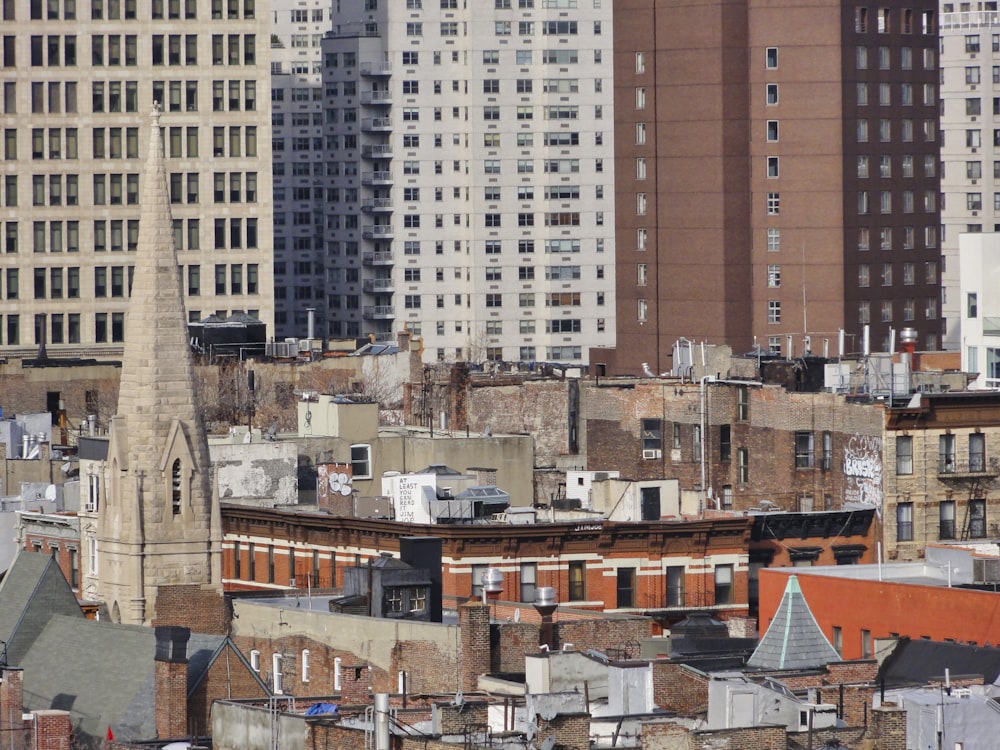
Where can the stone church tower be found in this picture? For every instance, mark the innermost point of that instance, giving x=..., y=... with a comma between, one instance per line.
x=160, y=523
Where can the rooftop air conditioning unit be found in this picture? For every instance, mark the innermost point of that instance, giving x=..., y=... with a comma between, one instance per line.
x=650, y=454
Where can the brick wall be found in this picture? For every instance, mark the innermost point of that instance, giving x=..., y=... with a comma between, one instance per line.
x=665, y=736
x=53, y=730
x=677, y=687
x=355, y=684
x=621, y=637
x=202, y=609
x=452, y=719
x=474, y=649
x=228, y=677
x=570, y=731
x=11, y=707
x=429, y=668
x=888, y=727
x=171, y=699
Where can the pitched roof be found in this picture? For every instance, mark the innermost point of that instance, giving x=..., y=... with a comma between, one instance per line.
x=33, y=590
x=793, y=639
x=104, y=674
x=916, y=662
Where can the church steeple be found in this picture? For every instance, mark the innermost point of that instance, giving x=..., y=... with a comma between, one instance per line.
x=160, y=524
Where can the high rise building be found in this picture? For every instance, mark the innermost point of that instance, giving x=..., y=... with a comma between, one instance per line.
x=80, y=78
x=299, y=165
x=469, y=176
x=777, y=176
x=970, y=129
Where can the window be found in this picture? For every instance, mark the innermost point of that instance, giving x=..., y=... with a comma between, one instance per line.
x=723, y=584
x=946, y=519
x=904, y=454
x=772, y=130
x=675, y=586
x=946, y=454
x=977, y=452
x=774, y=276
x=529, y=581
x=977, y=519
x=361, y=461
x=577, y=580
x=771, y=58
x=771, y=94
x=773, y=204
x=804, y=450
x=904, y=522
x=625, y=588
x=742, y=465
x=774, y=311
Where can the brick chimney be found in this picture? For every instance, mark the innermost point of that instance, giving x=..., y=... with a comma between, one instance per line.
x=474, y=635
x=171, y=681
x=53, y=730
x=570, y=731
x=11, y=707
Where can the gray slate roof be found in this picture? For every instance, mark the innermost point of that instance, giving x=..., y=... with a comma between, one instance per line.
x=33, y=590
x=103, y=674
x=794, y=639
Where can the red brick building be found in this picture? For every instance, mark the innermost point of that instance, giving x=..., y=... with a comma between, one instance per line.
x=664, y=569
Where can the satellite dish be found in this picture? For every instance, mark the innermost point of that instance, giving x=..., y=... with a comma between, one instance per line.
x=50, y=492
x=345, y=489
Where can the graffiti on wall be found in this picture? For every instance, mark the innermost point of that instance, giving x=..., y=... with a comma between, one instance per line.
x=863, y=471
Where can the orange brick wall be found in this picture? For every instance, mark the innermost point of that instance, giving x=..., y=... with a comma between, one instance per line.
x=884, y=608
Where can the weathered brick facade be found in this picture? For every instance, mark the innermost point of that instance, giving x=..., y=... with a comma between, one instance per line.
x=571, y=731
x=201, y=608
x=942, y=472
x=679, y=688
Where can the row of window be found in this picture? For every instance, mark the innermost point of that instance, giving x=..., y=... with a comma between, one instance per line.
x=116, y=281
x=909, y=313
x=524, y=299
x=886, y=237
x=504, y=28
x=909, y=277
x=949, y=459
x=114, y=10
x=894, y=20
x=973, y=528
x=885, y=97
x=231, y=187
x=907, y=202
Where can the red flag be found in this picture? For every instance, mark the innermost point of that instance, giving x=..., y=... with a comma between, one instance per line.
x=111, y=735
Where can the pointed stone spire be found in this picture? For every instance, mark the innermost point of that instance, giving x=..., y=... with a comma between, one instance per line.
x=794, y=639
x=160, y=524
x=157, y=375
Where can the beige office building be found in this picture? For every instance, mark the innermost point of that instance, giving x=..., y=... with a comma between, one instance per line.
x=79, y=81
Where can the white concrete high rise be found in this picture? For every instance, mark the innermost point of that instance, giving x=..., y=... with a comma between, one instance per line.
x=80, y=79
x=469, y=176
x=970, y=145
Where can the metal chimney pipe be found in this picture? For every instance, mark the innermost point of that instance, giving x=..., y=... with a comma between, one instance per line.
x=381, y=721
x=311, y=330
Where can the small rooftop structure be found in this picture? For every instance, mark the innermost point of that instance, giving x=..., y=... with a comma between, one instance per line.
x=793, y=639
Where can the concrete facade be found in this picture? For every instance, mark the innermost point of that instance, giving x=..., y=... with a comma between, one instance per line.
x=80, y=81
x=484, y=218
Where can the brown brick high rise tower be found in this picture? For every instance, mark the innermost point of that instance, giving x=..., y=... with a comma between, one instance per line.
x=159, y=523
x=776, y=176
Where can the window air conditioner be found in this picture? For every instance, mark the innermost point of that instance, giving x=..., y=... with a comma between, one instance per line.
x=649, y=454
